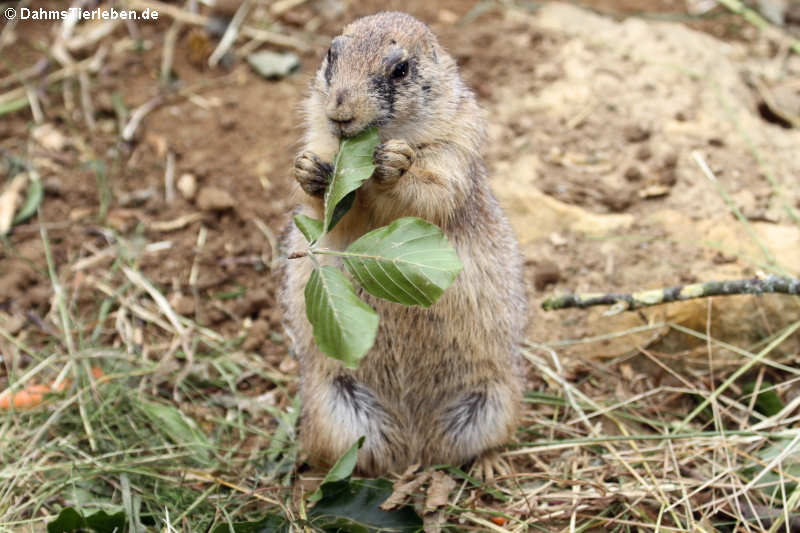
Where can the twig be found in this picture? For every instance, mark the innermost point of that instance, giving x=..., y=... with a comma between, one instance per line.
x=170, y=39
x=231, y=32
x=89, y=64
x=138, y=114
x=86, y=100
x=636, y=300
x=36, y=109
x=169, y=178
x=201, y=20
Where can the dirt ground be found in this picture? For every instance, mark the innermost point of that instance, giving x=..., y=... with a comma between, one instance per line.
x=593, y=126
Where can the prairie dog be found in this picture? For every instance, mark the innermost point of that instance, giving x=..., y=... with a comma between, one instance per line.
x=442, y=384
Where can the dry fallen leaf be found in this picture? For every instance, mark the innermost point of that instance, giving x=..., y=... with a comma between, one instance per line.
x=408, y=483
x=10, y=200
x=439, y=491
x=432, y=523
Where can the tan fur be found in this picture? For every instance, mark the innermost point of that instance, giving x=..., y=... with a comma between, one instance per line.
x=443, y=384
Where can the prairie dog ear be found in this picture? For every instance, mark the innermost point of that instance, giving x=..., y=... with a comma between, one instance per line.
x=336, y=45
x=434, y=55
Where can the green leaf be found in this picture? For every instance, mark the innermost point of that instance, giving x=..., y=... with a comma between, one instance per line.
x=106, y=523
x=408, y=262
x=344, y=326
x=32, y=201
x=311, y=228
x=343, y=468
x=69, y=520
x=342, y=208
x=271, y=523
x=353, y=506
x=352, y=167
x=768, y=403
x=180, y=428
x=14, y=105
x=772, y=483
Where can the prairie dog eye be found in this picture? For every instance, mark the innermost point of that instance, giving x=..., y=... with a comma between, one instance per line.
x=400, y=70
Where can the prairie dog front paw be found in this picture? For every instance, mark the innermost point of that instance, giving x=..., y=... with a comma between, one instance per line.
x=393, y=158
x=312, y=173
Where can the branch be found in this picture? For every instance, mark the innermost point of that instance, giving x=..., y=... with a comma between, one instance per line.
x=627, y=302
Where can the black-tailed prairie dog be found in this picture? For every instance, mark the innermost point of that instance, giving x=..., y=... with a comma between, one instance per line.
x=442, y=384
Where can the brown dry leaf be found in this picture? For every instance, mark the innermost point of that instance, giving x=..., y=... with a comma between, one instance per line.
x=432, y=523
x=405, y=487
x=627, y=371
x=439, y=491
x=10, y=199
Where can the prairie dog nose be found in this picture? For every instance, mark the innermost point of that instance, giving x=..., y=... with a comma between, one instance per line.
x=339, y=109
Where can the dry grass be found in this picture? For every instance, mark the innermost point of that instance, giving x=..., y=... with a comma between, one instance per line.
x=171, y=440
x=167, y=435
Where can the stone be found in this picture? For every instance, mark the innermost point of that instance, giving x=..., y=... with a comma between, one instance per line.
x=214, y=199
x=273, y=65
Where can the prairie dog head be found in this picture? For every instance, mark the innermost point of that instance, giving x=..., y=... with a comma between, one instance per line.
x=386, y=70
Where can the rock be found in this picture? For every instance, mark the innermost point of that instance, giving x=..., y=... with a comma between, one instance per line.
x=636, y=134
x=633, y=174
x=273, y=65
x=288, y=365
x=668, y=177
x=546, y=273
x=187, y=186
x=615, y=199
x=53, y=186
x=214, y=199
x=447, y=17
x=257, y=335
x=183, y=305
x=49, y=137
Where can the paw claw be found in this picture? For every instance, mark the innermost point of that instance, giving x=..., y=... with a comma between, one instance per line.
x=393, y=158
x=490, y=465
x=312, y=173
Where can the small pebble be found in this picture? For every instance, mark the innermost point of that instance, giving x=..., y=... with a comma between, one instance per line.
x=617, y=200
x=187, y=186
x=273, y=65
x=53, y=186
x=214, y=199
x=635, y=134
x=546, y=273
x=633, y=174
x=183, y=305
